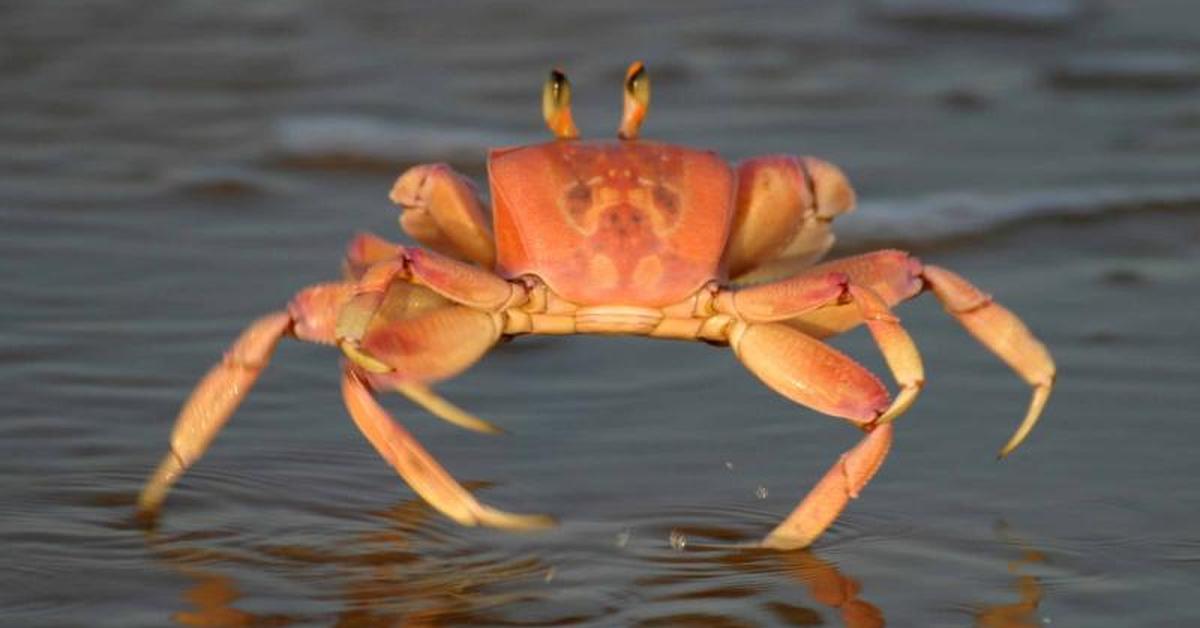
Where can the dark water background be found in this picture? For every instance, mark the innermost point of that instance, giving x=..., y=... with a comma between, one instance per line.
x=170, y=170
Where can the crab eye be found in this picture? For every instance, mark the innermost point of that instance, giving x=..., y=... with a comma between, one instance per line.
x=637, y=83
x=556, y=106
x=637, y=101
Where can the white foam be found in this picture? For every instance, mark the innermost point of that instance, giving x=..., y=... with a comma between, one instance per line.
x=1020, y=14
x=946, y=216
x=369, y=139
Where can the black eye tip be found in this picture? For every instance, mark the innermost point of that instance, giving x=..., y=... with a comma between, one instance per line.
x=558, y=87
x=637, y=74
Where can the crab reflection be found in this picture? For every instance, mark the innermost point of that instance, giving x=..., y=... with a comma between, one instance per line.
x=400, y=574
x=826, y=588
x=213, y=596
x=1024, y=612
x=408, y=571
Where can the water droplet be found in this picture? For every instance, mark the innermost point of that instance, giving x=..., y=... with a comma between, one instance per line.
x=550, y=573
x=761, y=492
x=678, y=540
x=623, y=538
x=729, y=465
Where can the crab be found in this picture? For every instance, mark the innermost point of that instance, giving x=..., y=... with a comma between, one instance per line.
x=624, y=236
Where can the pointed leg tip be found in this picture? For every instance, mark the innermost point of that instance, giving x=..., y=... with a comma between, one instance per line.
x=149, y=506
x=472, y=423
x=146, y=519
x=1036, y=406
x=475, y=424
x=154, y=491
x=480, y=427
x=784, y=543
x=494, y=518
x=1012, y=444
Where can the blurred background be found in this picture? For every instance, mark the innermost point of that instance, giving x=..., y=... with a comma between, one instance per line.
x=171, y=170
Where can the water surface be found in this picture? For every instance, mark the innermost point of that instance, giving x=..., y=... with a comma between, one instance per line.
x=172, y=171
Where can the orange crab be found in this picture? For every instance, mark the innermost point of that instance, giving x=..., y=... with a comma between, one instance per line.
x=614, y=237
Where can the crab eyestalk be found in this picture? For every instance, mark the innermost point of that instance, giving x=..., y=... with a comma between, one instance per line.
x=637, y=101
x=556, y=106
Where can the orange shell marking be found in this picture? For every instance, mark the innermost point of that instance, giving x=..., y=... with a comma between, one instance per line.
x=611, y=223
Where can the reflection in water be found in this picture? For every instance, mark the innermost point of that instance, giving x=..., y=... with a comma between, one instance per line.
x=721, y=563
x=830, y=587
x=389, y=582
x=410, y=570
x=1023, y=612
x=827, y=585
x=169, y=173
x=213, y=596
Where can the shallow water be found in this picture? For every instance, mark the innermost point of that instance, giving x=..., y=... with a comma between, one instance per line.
x=170, y=172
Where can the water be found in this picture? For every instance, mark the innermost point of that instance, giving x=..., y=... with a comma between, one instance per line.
x=172, y=171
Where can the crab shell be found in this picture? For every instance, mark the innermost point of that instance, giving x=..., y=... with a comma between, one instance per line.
x=617, y=222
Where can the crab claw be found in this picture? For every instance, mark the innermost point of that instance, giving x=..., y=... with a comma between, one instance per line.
x=430, y=347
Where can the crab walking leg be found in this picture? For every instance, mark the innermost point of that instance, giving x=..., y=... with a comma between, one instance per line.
x=310, y=317
x=816, y=375
x=788, y=298
x=211, y=404
x=783, y=299
x=893, y=275
x=898, y=350
x=897, y=276
x=1004, y=335
x=843, y=482
x=419, y=469
x=809, y=372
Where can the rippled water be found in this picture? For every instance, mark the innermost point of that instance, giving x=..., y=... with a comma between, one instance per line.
x=171, y=170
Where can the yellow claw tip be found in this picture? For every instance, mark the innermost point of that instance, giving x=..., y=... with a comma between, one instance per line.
x=438, y=406
x=903, y=401
x=488, y=428
x=363, y=359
